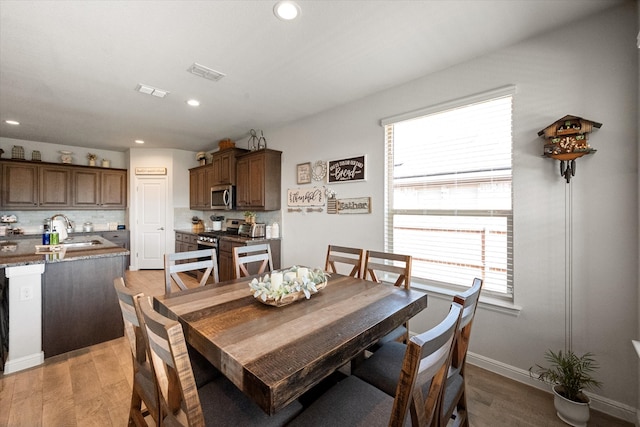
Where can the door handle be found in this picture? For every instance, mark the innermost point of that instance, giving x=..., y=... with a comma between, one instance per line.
x=161, y=228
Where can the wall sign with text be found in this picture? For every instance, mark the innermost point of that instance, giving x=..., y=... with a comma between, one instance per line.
x=358, y=205
x=347, y=170
x=304, y=197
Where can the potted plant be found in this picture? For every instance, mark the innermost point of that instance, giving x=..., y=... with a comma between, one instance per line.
x=92, y=159
x=569, y=375
x=250, y=217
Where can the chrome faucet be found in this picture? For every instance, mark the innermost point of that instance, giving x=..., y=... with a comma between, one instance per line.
x=67, y=221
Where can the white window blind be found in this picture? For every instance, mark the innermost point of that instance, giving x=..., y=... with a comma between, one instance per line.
x=448, y=192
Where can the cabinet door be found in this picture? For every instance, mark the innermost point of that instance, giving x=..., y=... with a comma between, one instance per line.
x=216, y=170
x=198, y=197
x=256, y=181
x=86, y=188
x=55, y=186
x=19, y=185
x=242, y=188
x=113, y=189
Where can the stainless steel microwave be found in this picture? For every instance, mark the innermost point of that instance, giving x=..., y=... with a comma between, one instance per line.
x=223, y=197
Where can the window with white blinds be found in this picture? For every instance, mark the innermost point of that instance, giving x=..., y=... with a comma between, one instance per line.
x=448, y=192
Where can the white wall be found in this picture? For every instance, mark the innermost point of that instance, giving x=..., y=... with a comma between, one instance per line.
x=589, y=70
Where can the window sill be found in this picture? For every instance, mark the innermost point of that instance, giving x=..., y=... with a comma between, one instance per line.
x=488, y=303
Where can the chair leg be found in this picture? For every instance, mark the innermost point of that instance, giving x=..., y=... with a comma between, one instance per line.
x=461, y=418
x=136, y=417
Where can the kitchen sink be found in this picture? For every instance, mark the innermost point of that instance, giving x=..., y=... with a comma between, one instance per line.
x=81, y=244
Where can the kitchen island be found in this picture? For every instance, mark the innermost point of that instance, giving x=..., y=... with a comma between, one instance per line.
x=59, y=300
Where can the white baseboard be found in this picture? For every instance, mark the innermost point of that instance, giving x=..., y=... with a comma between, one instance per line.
x=24, y=362
x=599, y=403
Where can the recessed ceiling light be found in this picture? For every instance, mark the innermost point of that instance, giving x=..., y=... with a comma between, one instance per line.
x=193, y=102
x=139, y=141
x=12, y=122
x=286, y=10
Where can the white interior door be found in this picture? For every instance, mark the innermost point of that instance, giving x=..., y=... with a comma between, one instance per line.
x=151, y=222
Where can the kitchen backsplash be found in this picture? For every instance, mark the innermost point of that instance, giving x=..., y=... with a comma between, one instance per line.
x=182, y=217
x=31, y=222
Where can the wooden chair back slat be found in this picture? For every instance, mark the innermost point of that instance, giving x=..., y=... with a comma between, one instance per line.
x=385, y=262
x=172, y=366
x=344, y=255
x=147, y=393
x=426, y=362
x=202, y=259
x=457, y=397
x=244, y=255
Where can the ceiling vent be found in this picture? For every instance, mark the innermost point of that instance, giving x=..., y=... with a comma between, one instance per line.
x=149, y=90
x=204, y=72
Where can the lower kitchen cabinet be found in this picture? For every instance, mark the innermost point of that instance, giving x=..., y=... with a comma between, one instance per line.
x=186, y=242
x=120, y=238
x=79, y=304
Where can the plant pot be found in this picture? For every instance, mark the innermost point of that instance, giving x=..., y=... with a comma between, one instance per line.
x=573, y=413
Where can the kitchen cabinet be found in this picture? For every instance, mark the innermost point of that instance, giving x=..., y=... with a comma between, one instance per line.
x=186, y=242
x=20, y=185
x=258, y=182
x=29, y=186
x=103, y=188
x=224, y=166
x=79, y=304
x=35, y=185
x=199, y=187
x=120, y=238
x=226, y=269
x=55, y=186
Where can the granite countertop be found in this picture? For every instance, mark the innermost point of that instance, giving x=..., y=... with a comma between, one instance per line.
x=231, y=237
x=19, y=252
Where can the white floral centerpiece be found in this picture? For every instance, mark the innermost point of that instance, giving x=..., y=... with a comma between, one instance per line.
x=284, y=287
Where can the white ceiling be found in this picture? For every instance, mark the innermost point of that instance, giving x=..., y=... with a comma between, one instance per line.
x=68, y=69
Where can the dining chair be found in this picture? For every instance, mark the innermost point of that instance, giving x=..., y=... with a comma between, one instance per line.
x=454, y=403
x=384, y=366
x=144, y=386
x=353, y=401
x=379, y=266
x=344, y=255
x=217, y=403
x=244, y=255
x=202, y=259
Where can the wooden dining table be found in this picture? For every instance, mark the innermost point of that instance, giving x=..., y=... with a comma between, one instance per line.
x=275, y=354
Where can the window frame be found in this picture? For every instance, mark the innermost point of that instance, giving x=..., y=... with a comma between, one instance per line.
x=390, y=213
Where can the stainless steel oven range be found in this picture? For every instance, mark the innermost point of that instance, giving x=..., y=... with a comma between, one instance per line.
x=211, y=239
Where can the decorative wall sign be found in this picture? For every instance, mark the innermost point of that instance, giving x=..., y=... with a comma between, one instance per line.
x=358, y=205
x=303, y=173
x=305, y=197
x=319, y=170
x=347, y=170
x=151, y=171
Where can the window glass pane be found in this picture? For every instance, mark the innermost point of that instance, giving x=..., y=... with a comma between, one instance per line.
x=449, y=194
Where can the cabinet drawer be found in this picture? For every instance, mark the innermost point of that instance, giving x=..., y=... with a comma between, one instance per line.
x=117, y=235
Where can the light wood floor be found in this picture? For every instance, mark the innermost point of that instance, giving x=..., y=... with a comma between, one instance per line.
x=92, y=387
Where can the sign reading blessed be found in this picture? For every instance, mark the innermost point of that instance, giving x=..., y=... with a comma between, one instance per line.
x=305, y=196
x=347, y=170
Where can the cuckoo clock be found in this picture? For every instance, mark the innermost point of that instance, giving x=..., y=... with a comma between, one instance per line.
x=566, y=140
